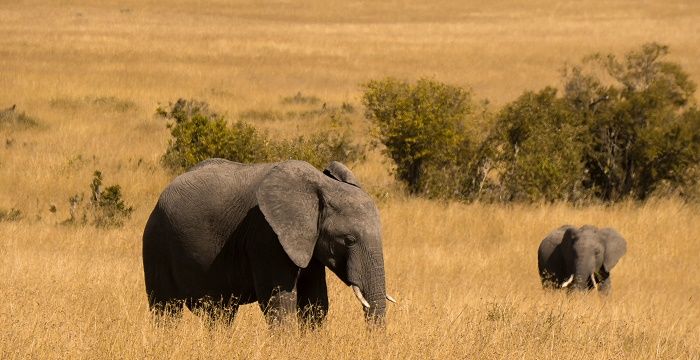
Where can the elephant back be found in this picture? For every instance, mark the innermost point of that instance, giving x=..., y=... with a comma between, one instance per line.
x=212, y=185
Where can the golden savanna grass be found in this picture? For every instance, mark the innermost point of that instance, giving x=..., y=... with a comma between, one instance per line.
x=465, y=275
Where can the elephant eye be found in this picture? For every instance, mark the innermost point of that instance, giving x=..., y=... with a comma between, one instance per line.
x=350, y=240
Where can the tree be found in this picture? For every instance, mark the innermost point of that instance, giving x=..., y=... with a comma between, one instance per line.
x=535, y=148
x=640, y=115
x=422, y=127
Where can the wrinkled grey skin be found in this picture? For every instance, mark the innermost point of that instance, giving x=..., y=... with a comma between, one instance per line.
x=235, y=234
x=580, y=252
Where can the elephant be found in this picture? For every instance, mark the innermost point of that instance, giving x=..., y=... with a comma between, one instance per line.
x=581, y=259
x=229, y=234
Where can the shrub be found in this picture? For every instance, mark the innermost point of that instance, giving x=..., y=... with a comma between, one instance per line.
x=536, y=149
x=422, y=126
x=622, y=129
x=642, y=123
x=199, y=133
x=106, y=208
x=320, y=148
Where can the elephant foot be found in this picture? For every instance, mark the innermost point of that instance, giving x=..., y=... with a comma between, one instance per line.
x=312, y=316
x=214, y=311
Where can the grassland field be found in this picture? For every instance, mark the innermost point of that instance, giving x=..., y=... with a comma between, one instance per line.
x=92, y=74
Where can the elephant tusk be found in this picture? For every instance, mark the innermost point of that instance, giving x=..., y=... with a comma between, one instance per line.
x=595, y=284
x=390, y=298
x=568, y=282
x=358, y=295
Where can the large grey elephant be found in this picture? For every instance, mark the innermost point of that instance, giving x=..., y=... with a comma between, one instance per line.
x=226, y=233
x=580, y=258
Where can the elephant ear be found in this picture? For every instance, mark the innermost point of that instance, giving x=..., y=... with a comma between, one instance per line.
x=289, y=199
x=340, y=172
x=570, y=235
x=615, y=247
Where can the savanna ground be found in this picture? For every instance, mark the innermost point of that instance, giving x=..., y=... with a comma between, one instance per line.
x=465, y=275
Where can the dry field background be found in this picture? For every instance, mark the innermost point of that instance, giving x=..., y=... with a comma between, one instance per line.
x=465, y=275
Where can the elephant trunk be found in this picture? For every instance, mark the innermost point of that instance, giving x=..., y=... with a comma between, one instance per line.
x=584, y=276
x=581, y=281
x=376, y=297
x=366, y=273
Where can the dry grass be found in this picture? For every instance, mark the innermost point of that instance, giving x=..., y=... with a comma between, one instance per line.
x=465, y=275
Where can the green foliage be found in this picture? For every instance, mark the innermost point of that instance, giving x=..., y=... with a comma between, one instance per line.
x=319, y=149
x=622, y=128
x=536, y=149
x=199, y=133
x=106, y=208
x=642, y=123
x=422, y=126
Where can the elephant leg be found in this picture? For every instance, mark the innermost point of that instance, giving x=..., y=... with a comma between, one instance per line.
x=605, y=286
x=165, y=307
x=548, y=280
x=602, y=276
x=162, y=298
x=274, y=275
x=280, y=306
x=214, y=310
x=312, y=294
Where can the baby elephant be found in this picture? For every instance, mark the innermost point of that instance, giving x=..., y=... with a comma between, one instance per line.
x=579, y=258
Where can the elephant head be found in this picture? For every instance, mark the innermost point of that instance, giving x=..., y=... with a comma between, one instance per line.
x=589, y=255
x=331, y=219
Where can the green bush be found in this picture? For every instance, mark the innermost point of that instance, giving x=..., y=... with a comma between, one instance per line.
x=536, y=149
x=319, y=149
x=106, y=208
x=622, y=129
x=198, y=133
x=422, y=126
x=642, y=123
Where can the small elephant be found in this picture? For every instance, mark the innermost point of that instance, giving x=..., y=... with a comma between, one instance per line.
x=579, y=258
x=225, y=234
